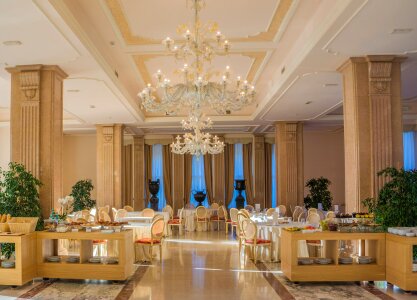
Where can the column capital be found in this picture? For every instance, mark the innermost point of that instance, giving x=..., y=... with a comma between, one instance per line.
x=27, y=68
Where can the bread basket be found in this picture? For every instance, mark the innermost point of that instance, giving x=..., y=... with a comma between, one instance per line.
x=23, y=224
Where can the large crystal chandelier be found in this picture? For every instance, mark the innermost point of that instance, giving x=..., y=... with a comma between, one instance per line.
x=201, y=87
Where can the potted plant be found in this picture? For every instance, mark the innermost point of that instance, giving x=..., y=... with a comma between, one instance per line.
x=396, y=204
x=81, y=195
x=318, y=193
x=19, y=197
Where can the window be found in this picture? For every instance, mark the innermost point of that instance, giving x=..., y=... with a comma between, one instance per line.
x=158, y=173
x=273, y=179
x=409, y=150
x=238, y=172
x=198, y=182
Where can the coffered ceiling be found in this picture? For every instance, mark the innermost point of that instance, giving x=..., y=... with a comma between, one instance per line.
x=290, y=49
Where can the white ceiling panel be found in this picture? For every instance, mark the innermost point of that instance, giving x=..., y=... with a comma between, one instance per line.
x=92, y=100
x=291, y=105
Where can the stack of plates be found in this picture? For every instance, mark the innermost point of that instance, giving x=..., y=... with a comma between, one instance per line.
x=8, y=264
x=323, y=261
x=305, y=261
x=112, y=261
x=345, y=260
x=53, y=259
x=73, y=259
x=365, y=259
x=95, y=260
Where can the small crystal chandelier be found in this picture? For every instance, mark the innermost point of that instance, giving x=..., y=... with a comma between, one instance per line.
x=197, y=143
x=201, y=42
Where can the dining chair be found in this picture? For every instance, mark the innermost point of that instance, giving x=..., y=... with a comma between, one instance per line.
x=298, y=210
x=249, y=208
x=313, y=219
x=148, y=212
x=157, y=216
x=121, y=213
x=214, y=205
x=157, y=235
x=250, y=238
x=321, y=214
x=282, y=210
x=302, y=217
x=104, y=216
x=201, y=216
x=128, y=208
x=169, y=210
x=177, y=223
x=311, y=210
x=220, y=217
x=240, y=217
x=245, y=211
x=114, y=212
x=233, y=220
x=330, y=215
x=270, y=211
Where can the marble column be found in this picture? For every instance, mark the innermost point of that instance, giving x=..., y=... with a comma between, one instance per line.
x=259, y=172
x=36, y=126
x=218, y=176
x=372, y=124
x=109, y=165
x=138, y=173
x=289, y=163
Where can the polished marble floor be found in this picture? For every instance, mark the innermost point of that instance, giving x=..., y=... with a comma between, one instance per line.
x=202, y=265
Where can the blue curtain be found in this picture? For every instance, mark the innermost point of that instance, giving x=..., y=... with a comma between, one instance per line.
x=198, y=182
x=238, y=172
x=274, y=179
x=157, y=173
x=409, y=150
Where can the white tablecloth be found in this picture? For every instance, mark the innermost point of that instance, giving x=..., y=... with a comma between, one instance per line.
x=189, y=216
x=273, y=232
x=135, y=217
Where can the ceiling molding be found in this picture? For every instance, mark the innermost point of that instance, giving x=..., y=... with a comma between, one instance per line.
x=122, y=24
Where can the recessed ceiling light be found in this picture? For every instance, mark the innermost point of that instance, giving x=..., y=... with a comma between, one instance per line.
x=283, y=70
x=112, y=43
x=73, y=91
x=309, y=102
x=401, y=30
x=330, y=84
x=92, y=106
x=12, y=43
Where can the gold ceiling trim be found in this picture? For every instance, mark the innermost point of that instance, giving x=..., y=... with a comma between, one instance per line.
x=257, y=56
x=120, y=19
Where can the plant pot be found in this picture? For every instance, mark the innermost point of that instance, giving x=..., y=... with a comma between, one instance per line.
x=199, y=197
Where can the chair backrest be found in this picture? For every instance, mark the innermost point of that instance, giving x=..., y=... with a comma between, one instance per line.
x=249, y=230
x=214, y=205
x=181, y=214
x=330, y=215
x=282, y=210
x=312, y=210
x=270, y=211
x=233, y=214
x=201, y=212
x=121, y=213
x=128, y=208
x=321, y=214
x=313, y=218
x=104, y=216
x=240, y=217
x=81, y=220
x=114, y=212
x=297, y=211
x=249, y=208
x=245, y=211
x=225, y=213
x=189, y=206
x=169, y=210
x=157, y=228
x=221, y=212
x=302, y=216
x=157, y=216
x=85, y=213
x=148, y=212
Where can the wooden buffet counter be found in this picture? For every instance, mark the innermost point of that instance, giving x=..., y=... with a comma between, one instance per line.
x=400, y=261
x=372, y=244
x=25, y=268
x=47, y=245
